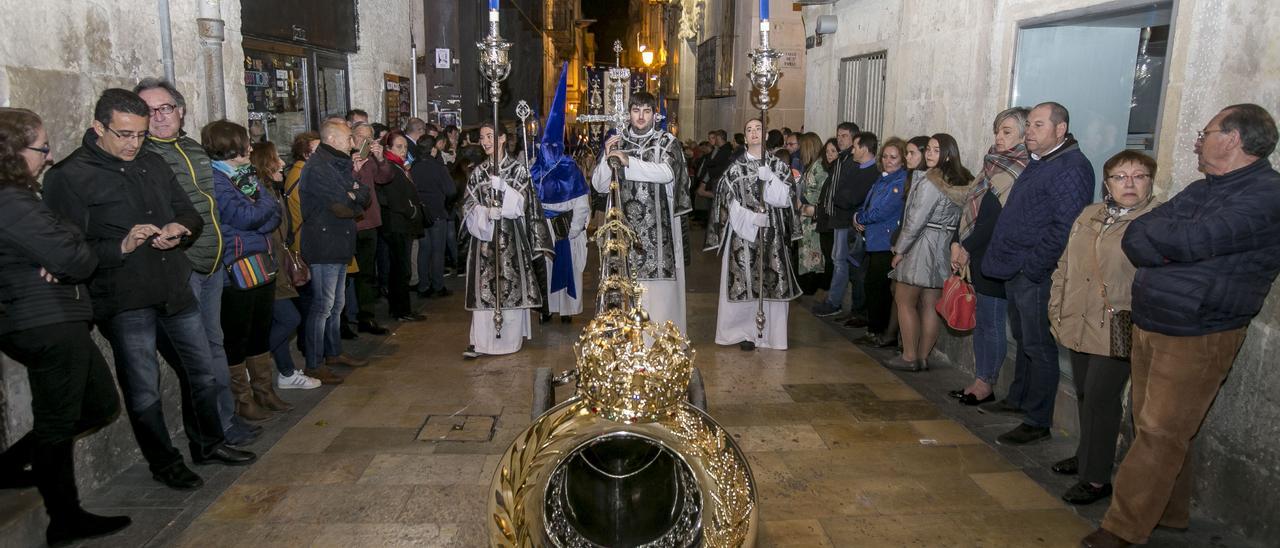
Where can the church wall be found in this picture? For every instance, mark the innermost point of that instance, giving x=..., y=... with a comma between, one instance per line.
x=951, y=70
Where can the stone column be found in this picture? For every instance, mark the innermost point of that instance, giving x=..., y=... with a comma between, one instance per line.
x=212, y=35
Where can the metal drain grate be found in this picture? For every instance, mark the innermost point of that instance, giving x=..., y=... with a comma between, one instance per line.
x=458, y=428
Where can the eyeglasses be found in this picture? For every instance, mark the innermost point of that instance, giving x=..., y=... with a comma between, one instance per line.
x=1122, y=178
x=165, y=109
x=1200, y=134
x=128, y=135
x=42, y=150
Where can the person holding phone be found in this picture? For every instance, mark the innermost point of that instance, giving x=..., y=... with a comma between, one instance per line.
x=372, y=170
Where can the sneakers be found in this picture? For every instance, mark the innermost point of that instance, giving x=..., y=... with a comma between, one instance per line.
x=1024, y=434
x=297, y=381
x=824, y=309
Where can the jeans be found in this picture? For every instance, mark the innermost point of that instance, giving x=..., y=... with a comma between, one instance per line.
x=840, y=266
x=72, y=391
x=208, y=291
x=285, y=320
x=990, y=338
x=324, y=319
x=133, y=343
x=1037, y=351
x=431, y=253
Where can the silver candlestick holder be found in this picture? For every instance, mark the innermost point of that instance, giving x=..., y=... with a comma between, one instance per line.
x=495, y=66
x=764, y=75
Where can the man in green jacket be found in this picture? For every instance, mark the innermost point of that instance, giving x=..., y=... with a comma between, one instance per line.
x=191, y=165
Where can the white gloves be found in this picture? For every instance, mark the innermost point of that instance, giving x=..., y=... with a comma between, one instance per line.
x=493, y=213
x=496, y=183
x=765, y=174
x=512, y=204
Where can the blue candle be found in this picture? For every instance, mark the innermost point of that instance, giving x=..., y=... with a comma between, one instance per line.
x=493, y=4
x=764, y=10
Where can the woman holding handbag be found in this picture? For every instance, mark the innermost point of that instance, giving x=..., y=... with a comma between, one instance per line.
x=247, y=215
x=921, y=260
x=285, y=314
x=1001, y=166
x=1089, y=314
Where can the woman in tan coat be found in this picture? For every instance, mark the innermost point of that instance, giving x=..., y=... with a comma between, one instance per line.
x=1090, y=299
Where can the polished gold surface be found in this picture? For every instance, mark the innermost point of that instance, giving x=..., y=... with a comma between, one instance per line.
x=886, y=469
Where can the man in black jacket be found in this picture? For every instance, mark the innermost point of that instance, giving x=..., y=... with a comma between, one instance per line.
x=435, y=189
x=112, y=189
x=1206, y=260
x=331, y=200
x=845, y=190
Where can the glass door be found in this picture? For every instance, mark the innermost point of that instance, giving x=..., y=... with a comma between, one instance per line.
x=333, y=98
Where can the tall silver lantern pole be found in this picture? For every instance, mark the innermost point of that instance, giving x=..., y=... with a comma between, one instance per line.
x=764, y=77
x=495, y=65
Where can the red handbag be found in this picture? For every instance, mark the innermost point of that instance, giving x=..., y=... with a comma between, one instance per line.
x=959, y=304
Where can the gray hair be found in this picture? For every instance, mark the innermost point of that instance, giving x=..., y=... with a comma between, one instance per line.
x=1018, y=114
x=160, y=83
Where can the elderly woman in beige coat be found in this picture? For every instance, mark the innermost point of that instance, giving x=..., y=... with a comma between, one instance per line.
x=1088, y=313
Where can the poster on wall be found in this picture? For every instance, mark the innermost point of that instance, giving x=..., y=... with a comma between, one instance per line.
x=398, y=99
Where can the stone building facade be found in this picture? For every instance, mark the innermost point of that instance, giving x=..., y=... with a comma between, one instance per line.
x=951, y=70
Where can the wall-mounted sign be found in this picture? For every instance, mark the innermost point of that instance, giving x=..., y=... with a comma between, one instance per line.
x=442, y=58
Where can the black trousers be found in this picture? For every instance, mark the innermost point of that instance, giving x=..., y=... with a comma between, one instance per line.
x=879, y=294
x=399, y=247
x=827, y=242
x=72, y=390
x=246, y=321
x=366, y=279
x=1100, y=382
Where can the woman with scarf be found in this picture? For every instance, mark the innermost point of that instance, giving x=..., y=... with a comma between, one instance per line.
x=1088, y=313
x=402, y=224
x=811, y=265
x=247, y=214
x=1000, y=167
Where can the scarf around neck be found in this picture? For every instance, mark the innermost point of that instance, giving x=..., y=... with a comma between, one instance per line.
x=244, y=178
x=1011, y=161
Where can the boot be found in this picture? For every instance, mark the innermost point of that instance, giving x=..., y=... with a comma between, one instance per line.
x=246, y=407
x=262, y=379
x=14, y=462
x=55, y=475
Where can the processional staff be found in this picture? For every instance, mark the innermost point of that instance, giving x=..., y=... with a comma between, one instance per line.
x=764, y=76
x=495, y=65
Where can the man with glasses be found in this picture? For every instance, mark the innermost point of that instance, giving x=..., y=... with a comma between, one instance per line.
x=112, y=190
x=791, y=141
x=1206, y=260
x=194, y=172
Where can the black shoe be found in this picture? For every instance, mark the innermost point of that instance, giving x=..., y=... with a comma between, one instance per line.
x=411, y=317
x=1024, y=434
x=1069, y=466
x=870, y=339
x=1003, y=407
x=371, y=327
x=441, y=293
x=347, y=333
x=80, y=525
x=887, y=343
x=423, y=293
x=14, y=463
x=544, y=317
x=1085, y=493
x=972, y=400
x=178, y=476
x=957, y=394
x=226, y=455
x=566, y=319
x=746, y=346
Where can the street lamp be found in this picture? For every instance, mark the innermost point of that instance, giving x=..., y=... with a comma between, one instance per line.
x=647, y=57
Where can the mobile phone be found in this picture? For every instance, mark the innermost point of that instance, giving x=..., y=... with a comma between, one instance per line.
x=363, y=151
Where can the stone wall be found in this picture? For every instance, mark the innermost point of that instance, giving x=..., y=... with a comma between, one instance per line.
x=786, y=35
x=951, y=70
x=383, y=46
